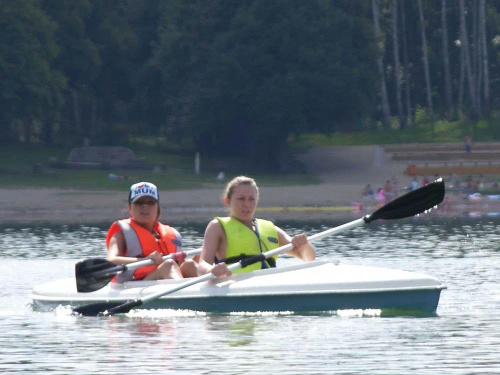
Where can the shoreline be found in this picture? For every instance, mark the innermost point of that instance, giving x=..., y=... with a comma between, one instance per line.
x=292, y=203
x=343, y=171
x=66, y=206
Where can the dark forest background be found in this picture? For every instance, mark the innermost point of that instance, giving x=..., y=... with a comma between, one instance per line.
x=239, y=77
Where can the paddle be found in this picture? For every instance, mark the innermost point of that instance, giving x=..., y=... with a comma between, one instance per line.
x=95, y=273
x=407, y=205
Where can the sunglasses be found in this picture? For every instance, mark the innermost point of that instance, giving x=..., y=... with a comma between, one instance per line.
x=141, y=202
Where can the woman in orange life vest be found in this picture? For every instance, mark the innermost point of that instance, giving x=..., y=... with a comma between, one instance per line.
x=142, y=236
x=227, y=240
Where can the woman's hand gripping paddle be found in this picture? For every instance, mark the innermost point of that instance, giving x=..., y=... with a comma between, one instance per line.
x=95, y=273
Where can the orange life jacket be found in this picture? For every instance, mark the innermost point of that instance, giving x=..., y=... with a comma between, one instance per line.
x=140, y=242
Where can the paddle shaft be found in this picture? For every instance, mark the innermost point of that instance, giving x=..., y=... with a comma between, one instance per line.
x=254, y=259
x=315, y=237
x=142, y=263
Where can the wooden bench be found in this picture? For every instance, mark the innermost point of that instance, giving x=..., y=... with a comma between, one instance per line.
x=457, y=167
x=447, y=156
x=442, y=147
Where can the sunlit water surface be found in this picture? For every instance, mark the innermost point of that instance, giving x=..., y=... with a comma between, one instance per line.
x=462, y=338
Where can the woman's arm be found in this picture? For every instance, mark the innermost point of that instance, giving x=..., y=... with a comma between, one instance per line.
x=211, y=243
x=116, y=251
x=302, y=249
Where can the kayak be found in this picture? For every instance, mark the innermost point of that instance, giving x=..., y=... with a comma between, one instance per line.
x=316, y=286
x=307, y=287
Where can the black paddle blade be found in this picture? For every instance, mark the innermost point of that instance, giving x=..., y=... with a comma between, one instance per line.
x=95, y=309
x=412, y=203
x=93, y=274
x=107, y=308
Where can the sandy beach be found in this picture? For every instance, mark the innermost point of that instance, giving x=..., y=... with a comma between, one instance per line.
x=344, y=171
x=201, y=205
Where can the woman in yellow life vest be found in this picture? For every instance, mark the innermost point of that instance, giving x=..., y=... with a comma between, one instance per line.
x=230, y=239
x=142, y=236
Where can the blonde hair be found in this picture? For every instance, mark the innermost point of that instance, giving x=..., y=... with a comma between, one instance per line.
x=238, y=181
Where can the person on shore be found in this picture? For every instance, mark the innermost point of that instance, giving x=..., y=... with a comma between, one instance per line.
x=468, y=143
x=388, y=193
x=395, y=186
x=367, y=193
x=142, y=236
x=481, y=183
x=414, y=183
x=229, y=239
x=380, y=197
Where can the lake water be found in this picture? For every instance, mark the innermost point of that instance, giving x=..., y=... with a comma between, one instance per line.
x=462, y=338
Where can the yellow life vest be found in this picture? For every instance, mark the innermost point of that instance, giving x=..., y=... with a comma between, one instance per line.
x=242, y=242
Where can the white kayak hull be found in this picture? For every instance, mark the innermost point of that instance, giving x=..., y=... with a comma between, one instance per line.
x=306, y=287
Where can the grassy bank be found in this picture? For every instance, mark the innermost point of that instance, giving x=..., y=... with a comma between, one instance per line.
x=27, y=165
x=438, y=132
x=24, y=165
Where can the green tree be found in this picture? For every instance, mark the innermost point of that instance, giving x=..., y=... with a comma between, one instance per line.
x=111, y=30
x=102, y=55
x=32, y=89
x=240, y=77
x=79, y=60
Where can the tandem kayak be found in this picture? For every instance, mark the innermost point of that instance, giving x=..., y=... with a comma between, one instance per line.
x=316, y=286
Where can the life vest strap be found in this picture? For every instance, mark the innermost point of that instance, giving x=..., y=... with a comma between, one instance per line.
x=270, y=261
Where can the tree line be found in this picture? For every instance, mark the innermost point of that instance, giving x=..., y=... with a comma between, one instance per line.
x=239, y=77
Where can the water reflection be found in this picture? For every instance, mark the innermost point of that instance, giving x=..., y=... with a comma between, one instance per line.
x=237, y=331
